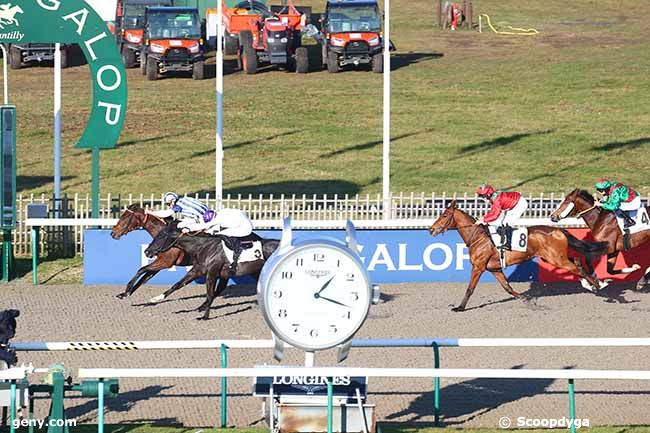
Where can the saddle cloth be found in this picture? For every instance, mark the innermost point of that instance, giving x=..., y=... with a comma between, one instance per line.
x=640, y=217
x=519, y=238
x=248, y=254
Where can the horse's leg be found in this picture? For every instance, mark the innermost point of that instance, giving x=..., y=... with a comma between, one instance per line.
x=143, y=275
x=644, y=280
x=190, y=276
x=210, y=282
x=473, y=280
x=562, y=261
x=611, y=262
x=501, y=278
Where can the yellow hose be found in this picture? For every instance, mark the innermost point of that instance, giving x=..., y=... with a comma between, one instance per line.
x=515, y=30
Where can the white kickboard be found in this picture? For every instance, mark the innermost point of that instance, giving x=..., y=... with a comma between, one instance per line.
x=248, y=255
x=641, y=218
x=519, y=238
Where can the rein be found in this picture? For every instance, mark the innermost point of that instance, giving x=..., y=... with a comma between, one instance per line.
x=579, y=214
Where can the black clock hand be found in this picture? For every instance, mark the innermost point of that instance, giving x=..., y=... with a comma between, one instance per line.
x=325, y=285
x=335, y=302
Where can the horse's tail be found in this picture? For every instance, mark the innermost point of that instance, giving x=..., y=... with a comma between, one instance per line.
x=585, y=247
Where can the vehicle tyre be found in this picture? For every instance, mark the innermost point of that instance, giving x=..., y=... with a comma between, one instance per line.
x=333, y=62
x=15, y=58
x=128, y=57
x=64, y=58
x=198, y=70
x=152, y=69
x=378, y=63
x=302, y=60
x=230, y=44
x=249, y=55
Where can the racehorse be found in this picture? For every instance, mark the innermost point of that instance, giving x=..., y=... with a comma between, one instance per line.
x=548, y=243
x=8, y=15
x=134, y=217
x=209, y=261
x=604, y=227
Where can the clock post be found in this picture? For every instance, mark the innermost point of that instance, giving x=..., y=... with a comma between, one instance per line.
x=315, y=295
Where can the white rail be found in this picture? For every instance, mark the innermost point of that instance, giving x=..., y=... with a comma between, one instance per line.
x=267, y=344
x=97, y=373
x=303, y=224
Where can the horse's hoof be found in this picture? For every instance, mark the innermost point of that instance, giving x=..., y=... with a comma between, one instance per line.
x=458, y=309
x=586, y=284
x=202, y=318
x=121, y=295
x=157, y=299
x=201, y=308
x=603, y=284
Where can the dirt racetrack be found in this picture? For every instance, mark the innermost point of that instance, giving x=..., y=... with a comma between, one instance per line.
x=66, y=313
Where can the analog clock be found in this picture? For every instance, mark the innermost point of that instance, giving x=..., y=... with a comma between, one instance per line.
x=315, y=294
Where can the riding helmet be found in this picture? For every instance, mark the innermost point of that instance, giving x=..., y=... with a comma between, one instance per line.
x=604, y=184
x=170, y=197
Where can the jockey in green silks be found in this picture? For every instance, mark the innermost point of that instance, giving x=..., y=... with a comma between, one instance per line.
x=618, y=198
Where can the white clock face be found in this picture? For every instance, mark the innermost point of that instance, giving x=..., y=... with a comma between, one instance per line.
x=317, y=297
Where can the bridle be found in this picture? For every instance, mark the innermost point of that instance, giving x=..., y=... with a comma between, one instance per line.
x=471, y=240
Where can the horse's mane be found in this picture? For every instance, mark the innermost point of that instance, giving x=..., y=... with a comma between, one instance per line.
x=586, y=195
x=134, y=207
x=466, y=214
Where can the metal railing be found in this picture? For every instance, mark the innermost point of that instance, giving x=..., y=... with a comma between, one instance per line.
x=404, y=206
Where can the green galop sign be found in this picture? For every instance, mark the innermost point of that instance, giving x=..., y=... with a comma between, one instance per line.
x=74, y=21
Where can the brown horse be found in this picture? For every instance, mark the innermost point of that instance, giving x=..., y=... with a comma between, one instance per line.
x=603, y=226
x=133, y=218
x=548, y=243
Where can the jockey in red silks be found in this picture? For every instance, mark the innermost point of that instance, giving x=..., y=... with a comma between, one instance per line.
x=507, y=208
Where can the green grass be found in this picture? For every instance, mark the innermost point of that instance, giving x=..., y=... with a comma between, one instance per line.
x=543, y=113
x=392, y=428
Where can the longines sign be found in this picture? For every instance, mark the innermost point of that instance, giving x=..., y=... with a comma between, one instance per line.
x=75, y=22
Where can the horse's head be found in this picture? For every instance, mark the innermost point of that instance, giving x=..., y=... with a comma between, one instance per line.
x=445, y=221
x=7, y=332
x=163, y=241
x=573, y=205
x=133, y=218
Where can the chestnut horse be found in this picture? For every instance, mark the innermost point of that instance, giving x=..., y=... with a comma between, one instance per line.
x=133, y=218
x=603, y=226
x=548, y=243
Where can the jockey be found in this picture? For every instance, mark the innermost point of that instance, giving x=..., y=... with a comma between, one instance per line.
x=507, y=208
x=231, y=223
x=190, y=209
x=618, y=198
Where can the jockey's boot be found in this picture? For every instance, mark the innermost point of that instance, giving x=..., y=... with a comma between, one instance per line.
x=628, y=220
x=508, y=243
x=236, y=250
x=501, y=231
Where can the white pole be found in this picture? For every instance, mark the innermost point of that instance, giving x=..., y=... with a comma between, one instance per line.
x=57, y=126
x=5, y=57
x=386, y=154
x=219, y=89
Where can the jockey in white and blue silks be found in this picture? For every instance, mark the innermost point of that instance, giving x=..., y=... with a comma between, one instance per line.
x=190, y=210
x=232, y=223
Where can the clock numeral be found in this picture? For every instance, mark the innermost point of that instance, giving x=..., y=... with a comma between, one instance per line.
x=319, y=257
x=338, y=263
x=347, y=315
x=313, y=333
x=282, y=313
x=300, y=262
x=355, y=296
x=277, y=293
x=333, y=329
x=295, y=327
x=287, y=275
x=349, y=276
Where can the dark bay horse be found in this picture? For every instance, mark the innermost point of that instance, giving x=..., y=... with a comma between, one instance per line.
x=603, y=226
x=133, y=218
x=209, y=261
x=548, y=243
